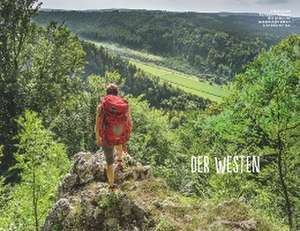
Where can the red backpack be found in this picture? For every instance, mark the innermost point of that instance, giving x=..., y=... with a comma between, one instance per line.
x=116, y=125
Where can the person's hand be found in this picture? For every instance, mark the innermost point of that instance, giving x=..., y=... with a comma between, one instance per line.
x=99, y=142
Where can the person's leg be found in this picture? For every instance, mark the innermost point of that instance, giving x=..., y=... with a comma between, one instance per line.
x=119, y=151
x=125, y=151
x=110, y=175
x=109, y=156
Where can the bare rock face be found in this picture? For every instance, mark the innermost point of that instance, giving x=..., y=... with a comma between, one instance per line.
x=85, y=203
x=247, y=225
x=233, y=216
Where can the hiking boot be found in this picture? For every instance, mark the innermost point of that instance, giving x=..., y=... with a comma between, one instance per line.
x=113, y=188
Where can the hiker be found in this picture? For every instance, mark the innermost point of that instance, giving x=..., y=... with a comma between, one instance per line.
x=113, y=128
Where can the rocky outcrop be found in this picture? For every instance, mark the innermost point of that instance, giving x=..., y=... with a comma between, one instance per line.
x=143, y=203
x=85, y=203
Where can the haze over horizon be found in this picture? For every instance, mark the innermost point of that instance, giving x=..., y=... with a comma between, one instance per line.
x=234, y=6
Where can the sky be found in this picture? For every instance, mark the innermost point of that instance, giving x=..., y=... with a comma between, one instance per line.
x=259, y=6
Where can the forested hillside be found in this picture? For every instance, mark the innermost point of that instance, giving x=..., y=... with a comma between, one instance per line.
x=136, y=82
x=51, y=83
x=154, y=65
x=218, y=44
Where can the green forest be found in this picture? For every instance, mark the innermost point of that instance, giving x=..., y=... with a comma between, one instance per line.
x=51, y=82
x=213, y=46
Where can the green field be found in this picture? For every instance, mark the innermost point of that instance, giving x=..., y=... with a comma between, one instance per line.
x=127, y=52
x=148, y=63
x=188, y=83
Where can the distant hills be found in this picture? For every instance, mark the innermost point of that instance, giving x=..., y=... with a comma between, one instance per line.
x=214, y=44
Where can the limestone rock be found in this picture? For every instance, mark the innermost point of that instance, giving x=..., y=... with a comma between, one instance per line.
x=85, y=203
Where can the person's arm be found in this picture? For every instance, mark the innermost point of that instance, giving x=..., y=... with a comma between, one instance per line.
x=98, y=126
x=130, y=118
x=124, y=146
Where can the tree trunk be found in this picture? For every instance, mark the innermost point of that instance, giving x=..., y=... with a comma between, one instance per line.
x=288, y=205
x=34, y=202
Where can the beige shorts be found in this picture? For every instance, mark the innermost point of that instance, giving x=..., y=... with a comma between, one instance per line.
x=109, y=154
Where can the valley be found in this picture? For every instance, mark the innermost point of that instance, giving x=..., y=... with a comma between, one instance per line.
x=150, y=64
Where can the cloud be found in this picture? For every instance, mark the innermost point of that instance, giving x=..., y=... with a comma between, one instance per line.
x=272, y=1
x=179, y=5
